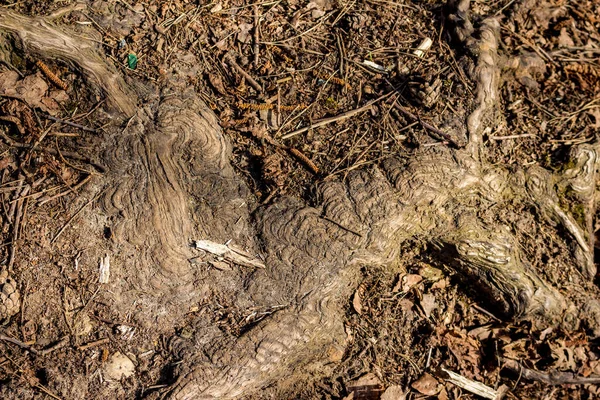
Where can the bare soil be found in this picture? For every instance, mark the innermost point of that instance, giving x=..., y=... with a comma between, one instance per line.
x=312, y=60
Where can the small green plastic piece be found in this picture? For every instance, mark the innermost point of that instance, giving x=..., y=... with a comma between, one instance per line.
x=132, y=61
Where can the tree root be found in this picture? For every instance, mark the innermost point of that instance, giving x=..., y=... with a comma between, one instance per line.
x=170, y=181
x=39, y=38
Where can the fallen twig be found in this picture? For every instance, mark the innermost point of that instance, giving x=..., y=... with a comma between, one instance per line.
x=425, y=125
x=341, y=226
x=61, y=230
x=71, y=190
x=58, y=345
x=68, y=154
x=18, y=343
x=340, y=117
x=73, y=124
x=48, y=392
x=256, y=35
x=241, y=71
x=524, y=135
x=16, y=226
x=95, y=343
x=66, y=10
x=552, y=377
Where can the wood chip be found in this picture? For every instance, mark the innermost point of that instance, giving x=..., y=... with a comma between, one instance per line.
x=230, y=253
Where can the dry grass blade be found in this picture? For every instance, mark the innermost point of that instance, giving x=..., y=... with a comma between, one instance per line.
x=326, y=121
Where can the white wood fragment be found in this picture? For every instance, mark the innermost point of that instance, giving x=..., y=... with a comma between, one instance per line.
x=423, y=47
x=469, y=385
x=126, y=331
x=374, y=66
x=230, y=253
x=104, y=269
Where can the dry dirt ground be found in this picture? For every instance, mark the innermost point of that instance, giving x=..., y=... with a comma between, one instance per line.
x=267, y=70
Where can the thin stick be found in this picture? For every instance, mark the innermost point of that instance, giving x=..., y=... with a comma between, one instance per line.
x=340, y=117
x=486, y=312
x=315, y=26
x=71, y=190
x=341, y=226
x=240, y=70
x=18, y=343
x=64, y=134
x=13, y=205
x=68, y=154
x=524, y=135
x=256, y=35
x=95, y=343
x=48, y=392
x=66, y=10
x=59, y=345
x=61, y=230
x=16, y=226
x=426, y=125
x=540, y=52
x=73, y=124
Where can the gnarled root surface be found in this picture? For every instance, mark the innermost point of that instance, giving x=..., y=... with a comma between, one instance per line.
x=170, y=182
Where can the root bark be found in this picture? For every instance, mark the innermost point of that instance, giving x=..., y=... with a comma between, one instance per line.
x=170, y=182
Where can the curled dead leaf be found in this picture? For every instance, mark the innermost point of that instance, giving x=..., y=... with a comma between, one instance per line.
x=357, y=301
x=426, y=385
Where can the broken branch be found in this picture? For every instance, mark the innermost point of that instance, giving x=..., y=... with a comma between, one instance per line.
x=552, y=377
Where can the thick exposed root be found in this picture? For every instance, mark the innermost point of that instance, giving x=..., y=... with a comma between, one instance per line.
x=170, y=182
x=39, y=38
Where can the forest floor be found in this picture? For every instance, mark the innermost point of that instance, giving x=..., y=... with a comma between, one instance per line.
x=300, y=90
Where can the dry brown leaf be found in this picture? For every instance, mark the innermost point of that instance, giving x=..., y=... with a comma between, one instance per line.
x=31, y=89
x=564, y=40
x=443, y=394
x=8, y=80
x=481, y=332
x=245, y=34
x=394, y=392
x=595, y=113
x=564, y=356
x=516, y=350
x=356, y=300
x=410, y=280
x=466, y=350
x=428, y=304
x=426, y=385
x=217, y=83
x=367, y=387
x=441, y=284
x=407, y=306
